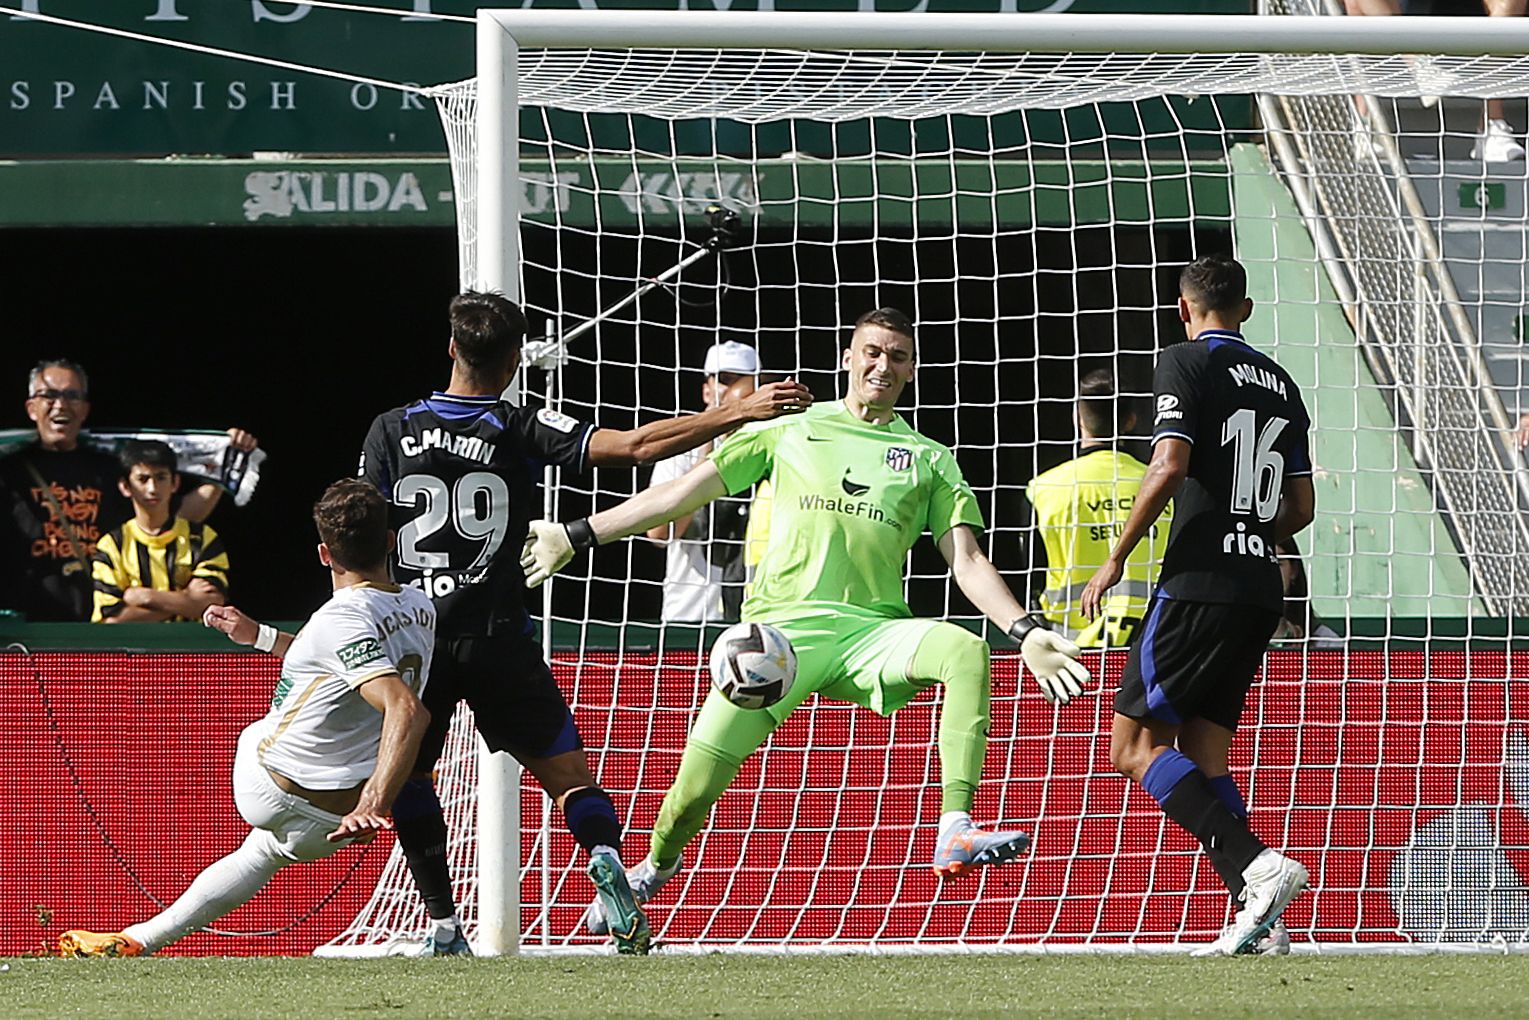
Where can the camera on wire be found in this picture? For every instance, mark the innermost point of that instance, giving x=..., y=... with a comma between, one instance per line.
x=724, y=223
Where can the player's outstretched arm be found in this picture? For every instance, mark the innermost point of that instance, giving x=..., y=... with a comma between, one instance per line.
x=1051, y=658
x=660, y=439
x=404, y=720
x=1169, y=468
x=550, y=545
x=242, y=630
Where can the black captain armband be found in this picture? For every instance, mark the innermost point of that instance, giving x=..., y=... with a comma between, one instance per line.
x=580, y=534
x=1021, y=628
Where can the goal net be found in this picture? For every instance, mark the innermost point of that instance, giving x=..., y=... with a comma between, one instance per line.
x=1030, y=210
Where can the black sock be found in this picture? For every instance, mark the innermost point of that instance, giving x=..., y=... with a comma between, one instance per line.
x=1226, y=790
x=421, y=828
x=592, y=818
x=1188, y=798
x=1230, y=874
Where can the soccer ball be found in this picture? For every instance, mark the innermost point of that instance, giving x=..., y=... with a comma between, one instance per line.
x=752, y=665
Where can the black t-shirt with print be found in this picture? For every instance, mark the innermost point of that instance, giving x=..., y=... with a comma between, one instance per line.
x=49, y=500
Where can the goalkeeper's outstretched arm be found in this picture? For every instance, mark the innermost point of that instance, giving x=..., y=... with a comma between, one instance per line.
x=551, y=545
x=1051, y=658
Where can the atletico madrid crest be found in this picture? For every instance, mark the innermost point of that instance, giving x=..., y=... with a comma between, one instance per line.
x=899, y=458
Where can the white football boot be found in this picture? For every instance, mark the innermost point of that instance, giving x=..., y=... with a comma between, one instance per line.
x=1275, y=943
x=1272, y=881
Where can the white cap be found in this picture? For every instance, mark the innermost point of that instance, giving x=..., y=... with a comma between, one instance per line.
x=731, y=356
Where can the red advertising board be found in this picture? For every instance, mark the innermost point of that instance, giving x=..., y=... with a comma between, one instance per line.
x=1398, y=777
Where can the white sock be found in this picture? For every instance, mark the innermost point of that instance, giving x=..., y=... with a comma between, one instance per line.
x=953, y=819
x=445, y=928
x=222, y=887
x=608, y=851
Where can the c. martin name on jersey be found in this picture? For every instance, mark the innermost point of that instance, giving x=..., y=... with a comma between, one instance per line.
x=470, y=447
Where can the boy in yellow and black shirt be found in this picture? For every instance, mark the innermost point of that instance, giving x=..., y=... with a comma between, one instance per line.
x=156, y=566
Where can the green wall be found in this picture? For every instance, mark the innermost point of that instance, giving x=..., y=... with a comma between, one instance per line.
x=1377, y=547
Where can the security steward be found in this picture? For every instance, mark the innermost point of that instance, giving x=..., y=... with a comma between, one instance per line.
x=1080, y=507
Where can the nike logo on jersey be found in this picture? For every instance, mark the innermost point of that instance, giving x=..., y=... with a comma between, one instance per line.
x=853, y=488
x=818, y=439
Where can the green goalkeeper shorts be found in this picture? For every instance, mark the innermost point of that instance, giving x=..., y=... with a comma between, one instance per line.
x=860, y=659
x=850, y=657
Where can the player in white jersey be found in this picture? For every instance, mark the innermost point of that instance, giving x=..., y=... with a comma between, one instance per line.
x=322, y=768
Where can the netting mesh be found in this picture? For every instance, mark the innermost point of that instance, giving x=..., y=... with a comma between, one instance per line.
x=1031, y=213
x=1365, y=167
x=758, y=86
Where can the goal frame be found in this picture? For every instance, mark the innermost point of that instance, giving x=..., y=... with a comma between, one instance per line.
x=501, y=33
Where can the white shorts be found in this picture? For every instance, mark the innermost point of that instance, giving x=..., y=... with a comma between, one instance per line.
x=298, y=827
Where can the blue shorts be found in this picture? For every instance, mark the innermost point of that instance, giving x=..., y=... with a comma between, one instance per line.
x=1194, y=660
x=516, y=703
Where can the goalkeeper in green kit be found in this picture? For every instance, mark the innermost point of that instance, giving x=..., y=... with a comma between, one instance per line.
x=854, y=488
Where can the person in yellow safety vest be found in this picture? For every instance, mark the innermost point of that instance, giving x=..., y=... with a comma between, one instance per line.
x=1080, y=507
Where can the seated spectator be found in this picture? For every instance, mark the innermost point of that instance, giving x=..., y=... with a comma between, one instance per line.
x=1496, y=141
x=58, y=496
x=156, y=566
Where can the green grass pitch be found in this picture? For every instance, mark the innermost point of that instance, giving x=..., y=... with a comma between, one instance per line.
x=718, y=986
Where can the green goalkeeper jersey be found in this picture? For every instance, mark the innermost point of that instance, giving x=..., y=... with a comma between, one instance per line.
x=850, y=499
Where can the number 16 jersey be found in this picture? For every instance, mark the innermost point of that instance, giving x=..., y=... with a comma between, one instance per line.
x=462, y=477
x=1248, y=426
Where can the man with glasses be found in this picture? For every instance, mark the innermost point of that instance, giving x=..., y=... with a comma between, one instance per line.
x=59, y=496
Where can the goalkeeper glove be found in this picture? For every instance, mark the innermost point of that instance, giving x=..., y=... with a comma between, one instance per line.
x=1051, y=658
x=550, y=545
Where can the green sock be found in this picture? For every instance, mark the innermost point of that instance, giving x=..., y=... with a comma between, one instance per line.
x=703, y=777
x=959, y=660
x=723, y=737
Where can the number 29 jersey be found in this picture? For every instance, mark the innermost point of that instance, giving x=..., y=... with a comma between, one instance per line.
x=1248, y=426
x=462, y=477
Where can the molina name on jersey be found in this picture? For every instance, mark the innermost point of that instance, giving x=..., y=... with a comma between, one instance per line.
x=320, y=732
x=1249, y=428
x=462, y=476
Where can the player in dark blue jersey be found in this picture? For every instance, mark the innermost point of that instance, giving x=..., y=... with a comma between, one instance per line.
x=1230, y=449
x=461, y=469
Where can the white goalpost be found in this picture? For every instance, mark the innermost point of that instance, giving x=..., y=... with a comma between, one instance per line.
x=1026, y=187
